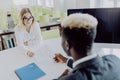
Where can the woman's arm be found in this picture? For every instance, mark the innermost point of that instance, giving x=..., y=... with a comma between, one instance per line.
x=37, y=40
x=19, y=40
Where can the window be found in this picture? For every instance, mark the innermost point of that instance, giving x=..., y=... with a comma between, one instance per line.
x=104, y=3
x=118, y=3
x=49, y=3
x=107, y=3
x=20, y=2
x=46, y=3
x=92, y=3
x=40, y=2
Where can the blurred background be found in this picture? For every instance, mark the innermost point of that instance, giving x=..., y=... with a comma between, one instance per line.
x=45, y=12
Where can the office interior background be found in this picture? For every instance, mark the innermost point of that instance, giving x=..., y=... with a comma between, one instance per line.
x=42, y=7
x=47, y=11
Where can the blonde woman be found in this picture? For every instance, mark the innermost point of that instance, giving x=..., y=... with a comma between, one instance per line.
x=28, y=33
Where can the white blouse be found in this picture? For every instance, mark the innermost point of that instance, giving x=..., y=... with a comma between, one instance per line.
x=33, y=38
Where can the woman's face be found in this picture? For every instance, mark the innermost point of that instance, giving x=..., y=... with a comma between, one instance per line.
x=27, y=19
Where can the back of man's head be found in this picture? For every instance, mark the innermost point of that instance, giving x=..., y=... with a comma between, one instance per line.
x=80, y=30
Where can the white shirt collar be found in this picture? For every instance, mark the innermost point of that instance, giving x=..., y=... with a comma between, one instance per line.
x=84, y=59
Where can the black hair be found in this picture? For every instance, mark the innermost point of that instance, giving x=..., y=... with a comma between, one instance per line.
x=80, y=38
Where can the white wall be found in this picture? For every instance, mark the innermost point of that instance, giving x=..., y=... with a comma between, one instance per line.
x=63, y=5
x=32, y=2
x=6, y=4
x=59, y=5
x=82, y=3
x=69, y=4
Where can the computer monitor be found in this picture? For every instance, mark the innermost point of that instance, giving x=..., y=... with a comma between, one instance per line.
x=108, y=29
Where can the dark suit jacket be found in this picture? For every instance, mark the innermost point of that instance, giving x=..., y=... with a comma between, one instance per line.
x=99, y=68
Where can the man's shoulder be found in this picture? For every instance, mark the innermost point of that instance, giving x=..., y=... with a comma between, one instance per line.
x=77, y=75
x=108, y=65
x=111, y=58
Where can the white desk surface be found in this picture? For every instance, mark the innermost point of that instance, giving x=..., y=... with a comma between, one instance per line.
x=12, y=59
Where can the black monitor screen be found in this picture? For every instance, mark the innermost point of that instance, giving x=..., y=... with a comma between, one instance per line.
x=108, y=29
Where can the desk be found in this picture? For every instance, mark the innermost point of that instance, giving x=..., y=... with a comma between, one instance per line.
x=14, y=58
x=50, y=25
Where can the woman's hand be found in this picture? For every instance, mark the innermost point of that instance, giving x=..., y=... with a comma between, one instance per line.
x=26, y=43
x=30, y=54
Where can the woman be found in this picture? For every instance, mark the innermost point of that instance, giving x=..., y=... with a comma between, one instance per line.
x=28, y=33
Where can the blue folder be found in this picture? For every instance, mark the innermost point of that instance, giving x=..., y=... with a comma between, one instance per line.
x=30, y=72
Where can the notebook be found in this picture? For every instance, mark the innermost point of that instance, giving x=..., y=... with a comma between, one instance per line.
x=30, y=72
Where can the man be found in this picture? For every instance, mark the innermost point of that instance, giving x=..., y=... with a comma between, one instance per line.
x=78, y=33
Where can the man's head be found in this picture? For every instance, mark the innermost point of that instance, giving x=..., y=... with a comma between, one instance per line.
x=78, y=33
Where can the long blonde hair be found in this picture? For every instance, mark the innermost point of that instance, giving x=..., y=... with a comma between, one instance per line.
x=23, y=11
